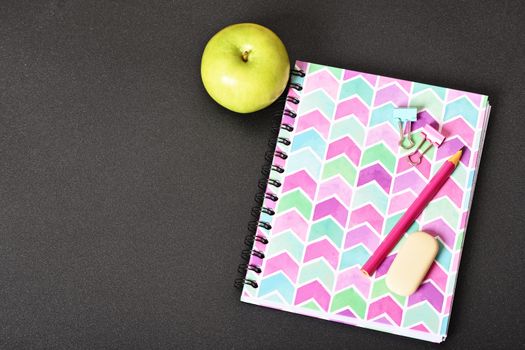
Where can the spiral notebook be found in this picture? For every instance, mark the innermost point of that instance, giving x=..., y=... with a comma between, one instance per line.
x=339, y=182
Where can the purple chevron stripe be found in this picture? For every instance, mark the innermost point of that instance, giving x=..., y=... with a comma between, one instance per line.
x=391, y=94
x=383, y=268
x=427, y=292
x=424, y=118
x=301, y=180
x=353, y=106
x=323, y=249
x=451, y=146
x=375, y=173
x=314, y=120
x=368, y=214
x=451, y=190
x=461, y=128
x=383, y=133
x=400, y=202
x=350, y=74
x=363, y=235
x=322, y=80
x=411, y=180
x=344, y=146
x=282, y=262
x=438, y=276
x=331, y=207
x=423, y=168
x=386, y=306
x=313, y=290
x=440, y=228
x=405, y=84
x=291, y=221
x=347, y=313
x=353, y=277
x=335, y=187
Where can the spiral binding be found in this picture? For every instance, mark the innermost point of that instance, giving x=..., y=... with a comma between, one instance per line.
x=264, y=193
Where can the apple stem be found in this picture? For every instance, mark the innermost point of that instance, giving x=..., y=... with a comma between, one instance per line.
x=244, y=56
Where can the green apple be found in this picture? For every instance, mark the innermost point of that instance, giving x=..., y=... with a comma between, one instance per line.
x=245, y=67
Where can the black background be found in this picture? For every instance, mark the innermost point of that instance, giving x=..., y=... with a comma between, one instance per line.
x=125, y=190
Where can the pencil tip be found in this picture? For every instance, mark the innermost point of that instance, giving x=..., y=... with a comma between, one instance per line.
x=456, y=157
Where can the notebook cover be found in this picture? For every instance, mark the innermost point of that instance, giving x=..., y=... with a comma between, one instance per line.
x=347, y=182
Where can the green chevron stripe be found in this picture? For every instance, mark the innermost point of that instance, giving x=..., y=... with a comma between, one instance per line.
x=379, y=288
x=442, y=208
x=371, y=193
x=418, y=87
x=296, y=199
x=349, y=298
x=417, y=138
x=311, y=305
x=318, y=100
x=320, y=270
x=357, y=86
x=341, y=166
x=287, y=242
x=382, y=154
x=337, y=72
x=459, y=240
x=422, y=313
x=329, y=228
x=427, y=100
x=460, y=175
x=348, y=127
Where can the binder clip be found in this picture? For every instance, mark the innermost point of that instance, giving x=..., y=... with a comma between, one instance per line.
x=405, y=117
x=431, y=135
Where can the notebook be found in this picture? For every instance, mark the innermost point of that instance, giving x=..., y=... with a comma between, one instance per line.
x=338, y=183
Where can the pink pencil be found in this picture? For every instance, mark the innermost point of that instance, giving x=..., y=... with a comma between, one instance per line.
x=411, y=214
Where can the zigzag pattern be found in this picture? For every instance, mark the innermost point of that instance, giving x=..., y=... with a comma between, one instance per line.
x=347, y=183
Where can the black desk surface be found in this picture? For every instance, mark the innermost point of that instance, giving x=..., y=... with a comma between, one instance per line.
x=125, y=190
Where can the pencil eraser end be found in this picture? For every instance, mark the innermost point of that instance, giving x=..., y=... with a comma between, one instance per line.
x=412, y=263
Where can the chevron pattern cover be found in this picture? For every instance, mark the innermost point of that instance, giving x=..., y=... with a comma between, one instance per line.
x=347, y=182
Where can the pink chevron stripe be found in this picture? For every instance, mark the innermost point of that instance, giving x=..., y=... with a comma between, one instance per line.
x=353, y=278
x=322, y=249
x=386, y=134
x=428, y=292
x=282, y=262
x=448, y=305
x=405, y=84
x=400, y=202
x=362, y=235
x=353, y=106
x=367, y=214
x=322, y=80
x=461, y=128
x=391, y=94
x=331, y=207
x=301, y=180
x=387, y=306
x=440, y=228
x=350, y=74
x=375, y=173
x=455, y=261
x=464, y=220
x=344, y=146
x=451, y=190
x=454, y=94
x=410, y=180
x=423, y=168
x=420, y=327
x=313, y=290
x=335, y=187
x=316, y=120
x=438, y=276
x=293, y=221
x=383, y=268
